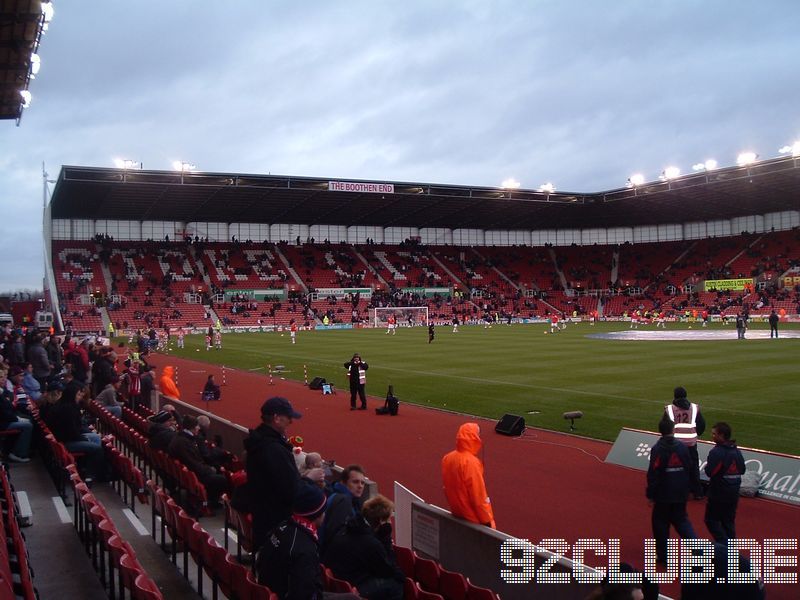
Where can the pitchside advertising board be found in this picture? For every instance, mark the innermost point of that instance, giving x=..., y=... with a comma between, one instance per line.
x=780, y=473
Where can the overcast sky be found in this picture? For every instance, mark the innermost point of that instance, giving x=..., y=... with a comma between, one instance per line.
x=581, y=94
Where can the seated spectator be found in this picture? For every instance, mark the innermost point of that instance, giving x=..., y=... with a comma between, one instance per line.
x=108, y=397
x=53, y=393
x=31, y=384
x=211, y=391
x=9, y=421
x=212, y=455
x=288, y=563
x=345, y=502
x=66, y=423
x=163, y=428
x=20, y=398
x=184, y=446
x=362, y=553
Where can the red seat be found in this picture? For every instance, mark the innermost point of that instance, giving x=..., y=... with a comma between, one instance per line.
x=410, y=589
x=425, y=595
x=426, y=573
x=452, y=585
x=478, y=593
x=146, y=589
x=405, y=560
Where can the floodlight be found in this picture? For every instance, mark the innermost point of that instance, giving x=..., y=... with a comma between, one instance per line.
x=47, y=11
x=182, y=165
x=794, y=149
x=510, y=184
x=548, y=188
x=124, y=163
x=36, y=64
x=26, y=98
x=670, y=173
x=746, y=158
x=636, y=180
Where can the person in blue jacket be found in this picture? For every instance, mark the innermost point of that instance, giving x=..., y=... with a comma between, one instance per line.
x=668, y=488
x=724, y=467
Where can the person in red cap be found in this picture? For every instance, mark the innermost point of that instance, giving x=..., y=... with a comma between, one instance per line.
x=462, y=474
x=272, y=475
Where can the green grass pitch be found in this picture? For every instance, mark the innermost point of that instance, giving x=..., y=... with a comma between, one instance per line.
x=752, y=384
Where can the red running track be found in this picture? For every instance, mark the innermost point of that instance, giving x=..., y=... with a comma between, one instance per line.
x=543, y=484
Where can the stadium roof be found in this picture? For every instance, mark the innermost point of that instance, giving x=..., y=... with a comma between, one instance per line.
x=21, y=25
x=138, y=195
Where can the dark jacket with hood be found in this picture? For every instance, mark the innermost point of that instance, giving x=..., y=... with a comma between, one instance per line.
x=272, y=479
x=724, y=467
x=358, y=554
x=288, y=563
x=668, y=474
x=700, y=422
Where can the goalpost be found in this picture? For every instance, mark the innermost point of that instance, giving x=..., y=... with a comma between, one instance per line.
x=406, y=316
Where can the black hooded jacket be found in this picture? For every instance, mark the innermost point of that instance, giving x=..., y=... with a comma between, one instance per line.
x=272, y=479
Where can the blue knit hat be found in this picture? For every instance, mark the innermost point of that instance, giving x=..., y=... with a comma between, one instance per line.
x=309, y=501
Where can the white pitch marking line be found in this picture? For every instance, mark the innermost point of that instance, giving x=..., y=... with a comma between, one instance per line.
x=137, y=524
x=61, y=509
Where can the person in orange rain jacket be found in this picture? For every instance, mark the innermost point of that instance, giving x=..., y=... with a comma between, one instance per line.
x=168, y=387
x=462, y=474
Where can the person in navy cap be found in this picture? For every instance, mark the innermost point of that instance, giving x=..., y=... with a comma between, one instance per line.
x=272, y=475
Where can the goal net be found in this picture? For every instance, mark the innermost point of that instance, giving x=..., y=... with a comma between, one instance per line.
x=405, y=316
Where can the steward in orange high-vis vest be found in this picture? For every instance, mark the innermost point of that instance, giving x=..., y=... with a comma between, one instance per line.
x=462, y=474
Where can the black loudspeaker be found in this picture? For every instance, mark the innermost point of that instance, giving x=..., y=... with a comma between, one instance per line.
x=510, y=425
x=317, y=383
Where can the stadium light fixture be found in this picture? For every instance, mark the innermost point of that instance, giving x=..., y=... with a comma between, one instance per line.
x=708, y=165
x=26, y=98
x=36, y=64
x=183, y=166
x=635, y=180
x=510, y=184
x=746, y=158
x=794, y=149
x=124, y=163
x=47, y=14
x=669, y=173
x=547, y=188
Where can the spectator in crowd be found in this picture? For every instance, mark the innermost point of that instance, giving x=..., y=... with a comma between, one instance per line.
x=77, y=356
x=211, y=390
x=689, y=425
x=15, y=354
x=103, y=371
x=668, y=488
x=53, y=393
x=184, y=446
x=9, y=421
x=19, y=395
x=107, y=397
x=345, y=502
x=31, y=385
x=272, y=474
x=720, y=587
x=163, y=428
x=362, y=553
x=724, y=467
x=288, y=562
x=37, y=357
x=55, y=354
x=462, y=474
x=212, y=455
x=66, y=423
x=357, y=375
x=147, y=382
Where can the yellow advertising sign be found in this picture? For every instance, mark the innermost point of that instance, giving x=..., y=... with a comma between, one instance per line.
x=713, y=285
